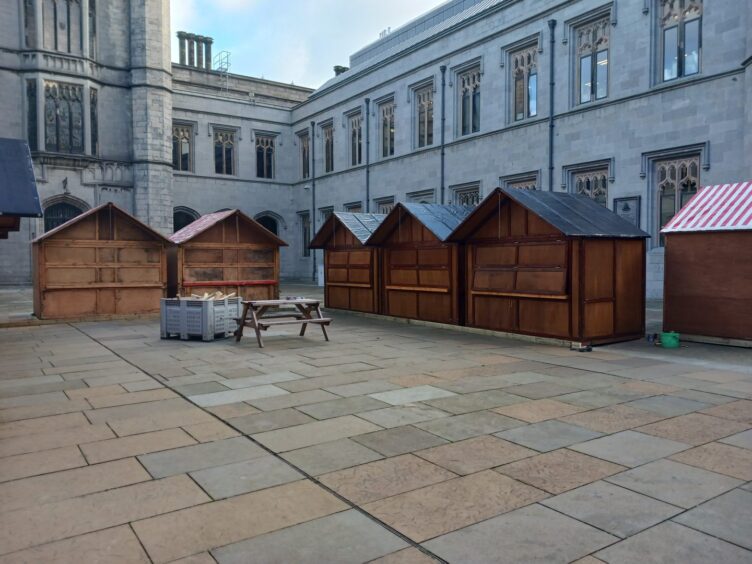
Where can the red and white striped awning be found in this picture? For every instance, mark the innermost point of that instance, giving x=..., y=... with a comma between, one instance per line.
x=724, y=207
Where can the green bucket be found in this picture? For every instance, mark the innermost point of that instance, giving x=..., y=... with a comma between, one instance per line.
x=670, y=340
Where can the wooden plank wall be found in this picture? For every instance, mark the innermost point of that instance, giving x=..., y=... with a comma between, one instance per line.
x=708, y=284
x=351, y=273
x=230, y=256
x=420, y=275
x=102, y=265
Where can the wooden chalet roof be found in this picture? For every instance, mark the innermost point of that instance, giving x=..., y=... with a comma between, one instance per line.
x=361, y=225
x=439, y=219
x=211, y=219
x=572, y=214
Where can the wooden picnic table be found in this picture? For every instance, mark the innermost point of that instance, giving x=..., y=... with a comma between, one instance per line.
x=257, y=316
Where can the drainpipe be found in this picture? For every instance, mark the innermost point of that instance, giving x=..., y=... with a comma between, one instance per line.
x=313, y=191
x=551, y=85
x=368, y=155
x=442, y=68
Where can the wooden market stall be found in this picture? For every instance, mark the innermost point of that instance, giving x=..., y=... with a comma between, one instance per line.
x=351, y=269
x=553, y=264
x=708, y=270
x=226, y=252
x=420, y=272
x=103, y=262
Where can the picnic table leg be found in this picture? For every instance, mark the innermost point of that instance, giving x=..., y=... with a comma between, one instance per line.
x=254, y=320
x=323, y=327
x=306, y=311
x=241, y=323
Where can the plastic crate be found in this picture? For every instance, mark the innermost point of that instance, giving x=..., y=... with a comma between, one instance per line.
x=208, y=319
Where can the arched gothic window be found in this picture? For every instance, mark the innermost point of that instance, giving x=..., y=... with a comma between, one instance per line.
x=593, y=184
x=328, y=132
x=264, y=156
x=386, y=110
x=182, y=217
x=592, y=52
x=269, y=223
x=469, y=82
x=182, y=144
x=62, y=26
x=424, y=115
x=63, y=117
x=525, y=80
x=224, y=151
x=356, y=140
x=676, y=180
x=59, y=213
x=305, y=155
x=680, y=28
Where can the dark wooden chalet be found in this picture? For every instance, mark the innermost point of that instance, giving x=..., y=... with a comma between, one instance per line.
x=351, y=269
x=226, y=252
x=420, y=273
x=103, y=262
x=708, y=272
x=553, y=264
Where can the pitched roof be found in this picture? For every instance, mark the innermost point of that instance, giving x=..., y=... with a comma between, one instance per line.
x=361, y=225
x=92, y=211
x=211, y=219
x=572, y=214
x=439, y=219
x=723, y=207
x=18, y=187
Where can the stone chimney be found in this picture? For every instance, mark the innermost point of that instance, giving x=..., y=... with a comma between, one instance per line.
x=195, y=50
x=339, y=69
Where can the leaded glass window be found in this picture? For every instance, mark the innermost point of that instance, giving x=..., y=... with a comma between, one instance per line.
x=468, y=196
x=94, y=121
x=328, y=133
x=530, y=183
x=424, y=116
x=305, y=233
x=224, y=151
x=356, y=139
x=525, y=82
x=264, y=156
x=680, y=29
x=63, y=117
x=386, y=112
x=31, y=117
x=469, y=91
x=593, y=57
x=182, y=153
x=676, y=181
x=305, y=156
x=593, y=184
x=384, y=205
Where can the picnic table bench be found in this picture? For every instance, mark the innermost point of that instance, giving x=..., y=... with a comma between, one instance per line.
x=256, y=315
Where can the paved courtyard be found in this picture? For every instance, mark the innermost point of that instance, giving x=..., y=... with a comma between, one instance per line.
x=392, y=443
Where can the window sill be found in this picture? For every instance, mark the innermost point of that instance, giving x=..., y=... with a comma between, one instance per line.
x=679, y=81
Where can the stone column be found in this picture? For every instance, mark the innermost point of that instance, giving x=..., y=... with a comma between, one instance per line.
x=208, y=58
x=181, y=46
x=151, y=112
x=39, y=23
x=85, y=27
x=200, y=51
x=191, y=50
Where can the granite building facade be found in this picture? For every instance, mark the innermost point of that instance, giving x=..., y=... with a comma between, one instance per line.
x=634, y=103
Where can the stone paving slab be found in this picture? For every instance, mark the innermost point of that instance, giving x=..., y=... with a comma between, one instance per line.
x=712, y=517
x=675, y=483
x=630, y=448
x=328, y=457
x=342, y=538
x=198, y=457
x=299, y=436
x=671, y=542
x=459, y=427
x=613, y=509
x=399, y=440
x=243, y=477
x=411, y=395
x=534, y=534
x=548, y=435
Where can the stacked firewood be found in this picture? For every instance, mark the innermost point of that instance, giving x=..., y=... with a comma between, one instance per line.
x=208, y=296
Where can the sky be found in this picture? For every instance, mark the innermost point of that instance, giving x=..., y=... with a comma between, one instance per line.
x=296, y=41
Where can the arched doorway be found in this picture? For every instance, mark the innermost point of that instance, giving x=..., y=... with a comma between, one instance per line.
x=270, y=223
x=59, y=213
x=182, y=216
